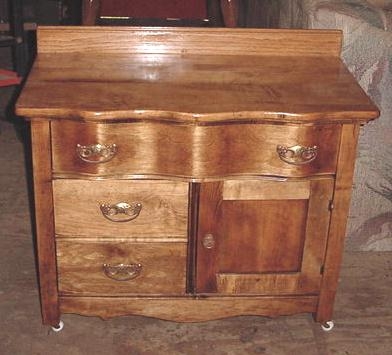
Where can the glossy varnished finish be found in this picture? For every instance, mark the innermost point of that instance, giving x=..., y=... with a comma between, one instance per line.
x=166, y=40
x=266, y=190
x=234, y=148
x=196, y=152
x=234, y=88
x=341, y=205
x=80, y=267
x=192, y=76
x=264, y=244
x=163, y=214
x=188, y=309
x=44, y=223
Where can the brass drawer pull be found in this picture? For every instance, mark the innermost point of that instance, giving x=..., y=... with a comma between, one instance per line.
x=115, y=212
x=96, y=153
x=297, y=155
x=122, y=272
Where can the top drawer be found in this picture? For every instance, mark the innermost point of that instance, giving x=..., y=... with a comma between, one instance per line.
x=191, y=151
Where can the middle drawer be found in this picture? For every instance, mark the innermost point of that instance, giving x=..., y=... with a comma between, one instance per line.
x=120, y=208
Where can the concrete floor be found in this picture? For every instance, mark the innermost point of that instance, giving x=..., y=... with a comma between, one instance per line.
x=363, y=312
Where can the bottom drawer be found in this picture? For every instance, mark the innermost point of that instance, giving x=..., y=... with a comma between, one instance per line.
x=120, y=268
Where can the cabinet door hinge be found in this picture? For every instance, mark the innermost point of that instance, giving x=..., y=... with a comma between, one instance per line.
x=331, y=205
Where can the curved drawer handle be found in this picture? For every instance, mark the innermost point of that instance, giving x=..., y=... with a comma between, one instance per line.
x=96, y=153
x=122, y=272
x=116, y=211
x=297, y=155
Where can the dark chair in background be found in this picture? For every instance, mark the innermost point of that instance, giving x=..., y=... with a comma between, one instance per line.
x=161, y=12
x=15, y=36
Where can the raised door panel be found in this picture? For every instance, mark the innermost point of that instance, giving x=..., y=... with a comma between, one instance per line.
x=262, y=237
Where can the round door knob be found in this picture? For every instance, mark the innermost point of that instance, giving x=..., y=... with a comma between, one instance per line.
x=208, y=241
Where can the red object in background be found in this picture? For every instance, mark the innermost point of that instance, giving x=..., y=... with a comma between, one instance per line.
x=8, y=78
x=160, y=9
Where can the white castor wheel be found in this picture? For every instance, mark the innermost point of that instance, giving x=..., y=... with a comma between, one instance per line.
x=328, y=326
x=59, y=328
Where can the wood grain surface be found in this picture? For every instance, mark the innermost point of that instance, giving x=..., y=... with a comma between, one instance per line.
x=261, y=236
x=198, y=152
x=261, y=246
x=265, y=190
x=80, y=267
x=192, y=76
x=341, y=204
x=170, y=40
x=188, y=309
x=44, y=223
x=77, y=210
x=205, y=111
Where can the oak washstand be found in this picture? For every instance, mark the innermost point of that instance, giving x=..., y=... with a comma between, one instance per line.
x=191, y=174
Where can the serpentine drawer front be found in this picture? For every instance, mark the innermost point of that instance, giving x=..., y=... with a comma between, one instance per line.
x=159, y=149
x=191, y=174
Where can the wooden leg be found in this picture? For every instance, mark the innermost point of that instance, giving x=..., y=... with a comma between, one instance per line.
x=230, y=11
x=90, y=10
x=44, y=219
x=337, y=229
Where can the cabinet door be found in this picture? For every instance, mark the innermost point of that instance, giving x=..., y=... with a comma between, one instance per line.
x=262, y=237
